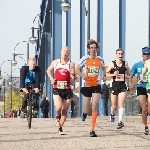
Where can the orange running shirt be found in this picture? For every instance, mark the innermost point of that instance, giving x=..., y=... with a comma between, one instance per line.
x=91, y=68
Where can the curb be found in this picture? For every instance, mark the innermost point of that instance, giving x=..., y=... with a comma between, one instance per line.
x=125, y=118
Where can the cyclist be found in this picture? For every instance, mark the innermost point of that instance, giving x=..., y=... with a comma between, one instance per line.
x=30, y=76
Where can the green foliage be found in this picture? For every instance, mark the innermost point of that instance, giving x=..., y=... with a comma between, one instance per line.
x=16, y=100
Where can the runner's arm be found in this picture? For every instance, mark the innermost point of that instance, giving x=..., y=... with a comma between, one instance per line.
x=50, y=68
x=144, y=70
x=127, y=70
x=110, y=66
x=104, y=70
x=79, y=66
x=77, y=70
x=132, y=73
x=72, y=70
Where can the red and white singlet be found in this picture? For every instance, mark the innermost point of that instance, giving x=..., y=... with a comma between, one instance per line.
x=62, y=75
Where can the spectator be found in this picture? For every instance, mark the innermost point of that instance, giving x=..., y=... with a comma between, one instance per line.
x=105, y=96
x=44, y=107
x=15, y=113
x=19, y=112
x=10, y=114
x=72, y=108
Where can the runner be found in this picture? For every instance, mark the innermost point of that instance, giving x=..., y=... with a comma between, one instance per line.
x=144, y=84
x=91, y=87
x=64, y=70
x=118, y=70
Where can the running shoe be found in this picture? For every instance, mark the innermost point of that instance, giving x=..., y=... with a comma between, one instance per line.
x=120, y=125
x=57, y=120
x=146, y=131
x=83, y=116
x=93, y=134
x=60, y=131
x=112, y=118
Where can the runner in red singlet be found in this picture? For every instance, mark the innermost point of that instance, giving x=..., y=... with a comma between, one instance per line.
x=64, y=71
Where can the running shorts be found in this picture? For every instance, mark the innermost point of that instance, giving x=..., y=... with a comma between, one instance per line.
x=87, y=91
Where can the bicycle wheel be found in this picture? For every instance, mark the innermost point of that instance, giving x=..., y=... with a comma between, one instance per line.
x=30, y=115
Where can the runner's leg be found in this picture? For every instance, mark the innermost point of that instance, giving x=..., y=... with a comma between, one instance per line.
x=122, y=97
x=145, y=109
x=86, y=109
x=87, y=94
x=95, y=100
x=65, y=107
x=114, y=98
x=58, y=107
x=142, y=101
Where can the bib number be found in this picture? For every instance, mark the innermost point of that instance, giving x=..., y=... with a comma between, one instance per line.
x=61, y=84
x=146, y=79
x=119, y=77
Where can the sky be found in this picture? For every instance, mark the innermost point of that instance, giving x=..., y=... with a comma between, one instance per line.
x=16, y=21
x=136, y=29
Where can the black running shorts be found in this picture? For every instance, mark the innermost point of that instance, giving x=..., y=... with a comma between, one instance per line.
x=63, y=93
x=141, y=91
x=148, y=91
x=87, y=91
x=118, y=88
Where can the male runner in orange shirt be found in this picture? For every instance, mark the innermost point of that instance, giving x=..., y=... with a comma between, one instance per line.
x=91, y=87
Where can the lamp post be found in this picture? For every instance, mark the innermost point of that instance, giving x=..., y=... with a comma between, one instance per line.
x=87, y=13
x=27, y=48
x=65, y=6
x=4, y=94
x=13, y=63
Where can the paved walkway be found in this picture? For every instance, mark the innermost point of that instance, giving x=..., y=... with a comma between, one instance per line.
x=15, y=135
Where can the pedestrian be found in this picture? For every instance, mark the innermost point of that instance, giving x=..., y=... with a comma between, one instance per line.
x=105, y=97
x=44, y=107
x=72, y=108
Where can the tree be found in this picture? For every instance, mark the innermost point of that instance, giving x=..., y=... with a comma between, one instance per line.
x=16, y=100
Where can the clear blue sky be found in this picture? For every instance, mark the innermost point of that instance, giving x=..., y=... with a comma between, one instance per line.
x=16, y=21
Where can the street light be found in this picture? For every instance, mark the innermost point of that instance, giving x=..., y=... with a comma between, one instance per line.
x=87, y=13
x=4, y=95
x=65, y=6
x=27, y=48
x=15, y=69
x=33, y=39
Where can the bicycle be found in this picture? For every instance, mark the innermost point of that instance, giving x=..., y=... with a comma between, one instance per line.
x=30, y=110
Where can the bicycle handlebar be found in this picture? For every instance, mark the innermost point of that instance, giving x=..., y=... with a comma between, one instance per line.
x=29, y=91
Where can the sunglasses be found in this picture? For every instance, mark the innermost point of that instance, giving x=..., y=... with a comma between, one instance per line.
x=146, y=53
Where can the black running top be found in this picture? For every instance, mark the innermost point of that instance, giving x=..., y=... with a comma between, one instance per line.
x=121, y=76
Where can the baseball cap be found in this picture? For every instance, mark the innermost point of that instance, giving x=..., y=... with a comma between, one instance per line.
x=146, y=50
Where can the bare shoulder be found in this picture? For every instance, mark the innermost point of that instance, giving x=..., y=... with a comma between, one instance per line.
x=146, y=62
x=126, y=63
x=53, y=63
x=111, y=65
x=72, y=64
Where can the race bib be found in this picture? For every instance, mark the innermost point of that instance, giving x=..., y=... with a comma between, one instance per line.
x=61, y=84
x=119, y=77
x=146, y=78
x=93, y=71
